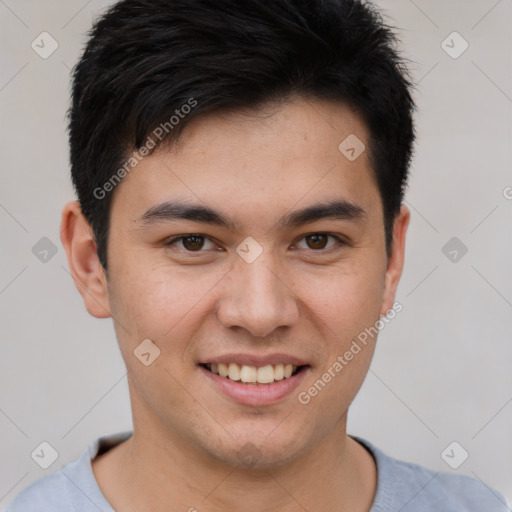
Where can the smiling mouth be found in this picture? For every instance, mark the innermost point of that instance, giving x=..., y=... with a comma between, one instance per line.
x=245, y=374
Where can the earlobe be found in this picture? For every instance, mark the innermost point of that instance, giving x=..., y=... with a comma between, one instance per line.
x=88, y=275
x=396, y=260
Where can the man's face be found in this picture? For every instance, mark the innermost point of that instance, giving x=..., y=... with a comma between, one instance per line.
x=205, y=299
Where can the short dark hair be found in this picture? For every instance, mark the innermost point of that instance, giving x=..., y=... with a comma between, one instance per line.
x=146, y=59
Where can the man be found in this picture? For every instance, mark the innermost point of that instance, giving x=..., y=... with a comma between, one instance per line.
x=240, y=169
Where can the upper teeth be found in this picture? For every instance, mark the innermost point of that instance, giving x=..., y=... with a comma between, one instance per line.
x=262, y=375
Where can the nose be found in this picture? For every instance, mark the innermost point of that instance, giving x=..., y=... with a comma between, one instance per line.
x=257, y=298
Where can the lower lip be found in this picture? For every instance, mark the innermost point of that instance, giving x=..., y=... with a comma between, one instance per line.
x=256, y=394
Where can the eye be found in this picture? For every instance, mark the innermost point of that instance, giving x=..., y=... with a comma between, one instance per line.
x=191, y=242
x=318, y=241
x=196, y=242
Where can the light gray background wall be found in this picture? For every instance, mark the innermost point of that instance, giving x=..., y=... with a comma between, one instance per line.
x=441, y=372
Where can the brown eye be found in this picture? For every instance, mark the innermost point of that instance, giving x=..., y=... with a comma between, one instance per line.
x=317, y=241
x=320, y=242
x=193, y=242
x=190, y=243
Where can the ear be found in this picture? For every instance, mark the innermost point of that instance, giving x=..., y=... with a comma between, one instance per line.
x=396, y=259
x=89, y=276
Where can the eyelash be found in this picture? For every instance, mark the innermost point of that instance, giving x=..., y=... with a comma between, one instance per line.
x=339, y=242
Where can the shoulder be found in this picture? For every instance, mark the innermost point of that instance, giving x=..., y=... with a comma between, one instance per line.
x=72, y=488
x=53, y=492
x=411, y=487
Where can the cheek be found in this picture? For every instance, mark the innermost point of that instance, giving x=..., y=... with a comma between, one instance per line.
x=152, y=300
x=347, y=306
x=346, y=300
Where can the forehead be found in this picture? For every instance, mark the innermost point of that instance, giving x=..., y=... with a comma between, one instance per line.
x=301, y=151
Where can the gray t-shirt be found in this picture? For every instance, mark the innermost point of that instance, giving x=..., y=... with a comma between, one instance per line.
x=401, y=486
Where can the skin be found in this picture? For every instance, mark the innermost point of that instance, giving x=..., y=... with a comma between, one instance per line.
x=190, y=442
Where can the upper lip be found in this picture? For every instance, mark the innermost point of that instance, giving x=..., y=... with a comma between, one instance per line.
x=255, y=360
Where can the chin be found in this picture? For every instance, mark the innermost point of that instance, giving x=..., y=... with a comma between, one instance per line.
x=257, y=452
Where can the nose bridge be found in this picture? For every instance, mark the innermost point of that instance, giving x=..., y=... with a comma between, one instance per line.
x=258, y=299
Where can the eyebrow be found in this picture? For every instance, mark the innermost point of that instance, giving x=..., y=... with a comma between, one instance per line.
x=335, y=210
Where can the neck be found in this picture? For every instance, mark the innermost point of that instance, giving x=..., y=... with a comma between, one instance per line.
x=336, y=474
